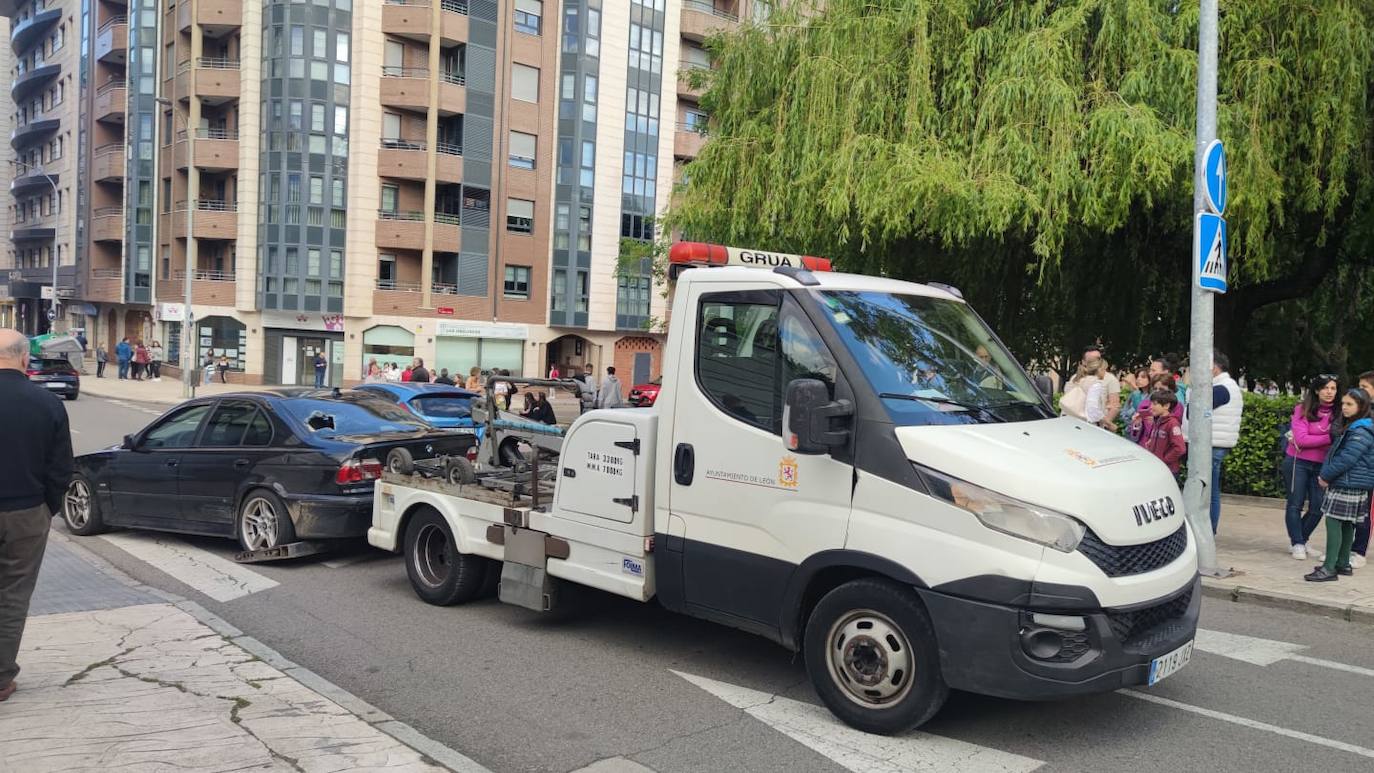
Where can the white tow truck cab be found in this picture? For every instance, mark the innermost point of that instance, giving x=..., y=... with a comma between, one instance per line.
x=856, y=468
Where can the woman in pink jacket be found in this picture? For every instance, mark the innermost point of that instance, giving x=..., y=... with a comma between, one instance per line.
x=1309, y=438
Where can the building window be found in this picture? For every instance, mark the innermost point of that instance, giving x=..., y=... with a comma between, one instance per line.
x=561, y=224
x=517, y=283
x=589, y=98
x=632, y=296
x=694, y=121
x=587, y=177
x=519, y=216
x=558, y=299
x=528, y=16
x=582, y=292
x=386, y=271
x=524, y=82
x=390, y=194
x=522, y=147
x=584, y=229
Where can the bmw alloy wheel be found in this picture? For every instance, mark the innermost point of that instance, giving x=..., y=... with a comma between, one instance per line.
x=78, y=504
x=259, y=524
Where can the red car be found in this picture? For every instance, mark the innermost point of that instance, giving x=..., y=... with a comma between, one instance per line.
x=644, y=395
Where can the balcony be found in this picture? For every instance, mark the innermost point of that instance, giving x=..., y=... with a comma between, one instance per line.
x=403, y=159
x=112, y=40
x=405, y=87
x=217, y=17
x=453, y=94
x=701, y=19
x=33, y=234
x=33, y=29
x=107, y=224
x=453, y=21
x=685, y=89
x=449, y=163
x=401, y=230
x=202, y=275
x=687, y=141
x=105, y=285
x=32, y=180
x=407, y=19
x=184, y=16
x=216, y=149
x=447, y=235
x=213, y=219
x=34, y=130
x=107, y=163
x=216, y=80
x=111, y=101
x=27, y=83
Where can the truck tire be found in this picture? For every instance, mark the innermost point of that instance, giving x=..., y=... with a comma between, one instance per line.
x=491, y=577
x=872, y=656
x=400, y=462
x=440, y=574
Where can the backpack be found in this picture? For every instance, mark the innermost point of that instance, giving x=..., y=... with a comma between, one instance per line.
x=1075, y=401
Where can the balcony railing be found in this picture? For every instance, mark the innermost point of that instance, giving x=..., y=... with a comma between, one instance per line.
x=448, y=218
x=421, y=3
x=695, y=128
x=389, y=71
x=112, y=21
x=455, y=6
x=108, y=150
x=458, y=78
x=686, y=65
x=398, y=286
x=449, y=148
x=390, y=143
x=215, y=205
x=443, y=288
x=106, y=273
x=205, y=276
x=704, y=7
x=109, y=86
x=217, y=63
x=211, y=133
x=413, y=215
x=109, y=212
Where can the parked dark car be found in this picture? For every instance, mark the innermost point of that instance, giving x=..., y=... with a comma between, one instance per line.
x=644, y=395
x=56, y=375
x=267, y=468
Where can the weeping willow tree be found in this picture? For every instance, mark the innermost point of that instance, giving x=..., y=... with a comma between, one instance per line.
x=1040, y=154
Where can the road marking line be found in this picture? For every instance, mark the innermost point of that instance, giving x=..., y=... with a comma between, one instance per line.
x=218, y=578
x=1252, y=724
x=814, y=727
x=1334, y=665
x=1265, y=652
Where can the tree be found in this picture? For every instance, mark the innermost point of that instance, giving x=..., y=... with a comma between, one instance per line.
x=1040, y=154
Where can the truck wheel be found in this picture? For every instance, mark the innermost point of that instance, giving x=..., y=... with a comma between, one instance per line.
x=872, y=656
x=458, y=471
x=81, y=508
x=400, y=462
x=440, y=574
x=491, y=578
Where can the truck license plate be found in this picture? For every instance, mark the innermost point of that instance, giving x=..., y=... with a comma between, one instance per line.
x=1164, y=665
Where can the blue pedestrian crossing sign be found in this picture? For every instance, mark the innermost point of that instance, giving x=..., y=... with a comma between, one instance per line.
x=1214, y=177
x=1210, y=252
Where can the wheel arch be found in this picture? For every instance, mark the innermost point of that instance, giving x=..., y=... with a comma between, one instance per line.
x=418, y=505
x=824, y=572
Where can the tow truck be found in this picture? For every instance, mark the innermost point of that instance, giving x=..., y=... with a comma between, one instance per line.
x=854, y=467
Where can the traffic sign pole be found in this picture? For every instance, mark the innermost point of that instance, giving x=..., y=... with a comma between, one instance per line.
x=1197, y=491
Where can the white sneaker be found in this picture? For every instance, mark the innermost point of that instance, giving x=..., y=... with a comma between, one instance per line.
x=1356, y=560
x=1314, y=554
x=1299, y=552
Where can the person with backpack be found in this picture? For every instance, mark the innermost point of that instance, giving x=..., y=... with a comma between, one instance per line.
x=1308, y=440
x=1347, y=474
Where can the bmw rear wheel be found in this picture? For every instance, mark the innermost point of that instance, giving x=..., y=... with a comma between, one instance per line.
x=264, y=521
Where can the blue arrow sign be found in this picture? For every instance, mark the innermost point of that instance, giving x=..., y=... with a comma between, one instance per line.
x=1214, y=177
x=1210, y=252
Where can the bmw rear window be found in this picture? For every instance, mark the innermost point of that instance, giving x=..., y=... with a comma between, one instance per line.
x=444, y=406
x=352, y=415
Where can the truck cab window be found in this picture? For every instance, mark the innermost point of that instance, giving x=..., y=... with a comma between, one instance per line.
x=737, y=355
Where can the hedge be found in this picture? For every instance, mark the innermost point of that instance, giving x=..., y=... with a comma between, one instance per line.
x=1252, y=466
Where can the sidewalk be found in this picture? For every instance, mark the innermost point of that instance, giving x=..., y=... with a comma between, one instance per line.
x=1252, y=541
x=164, y=392
x=120, y=676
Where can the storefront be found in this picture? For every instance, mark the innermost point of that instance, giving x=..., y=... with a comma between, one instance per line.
x=387, y=343
x=291, y=341
x=461, y=345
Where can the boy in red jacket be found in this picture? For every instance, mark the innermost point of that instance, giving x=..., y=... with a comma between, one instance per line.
x=1166, y=431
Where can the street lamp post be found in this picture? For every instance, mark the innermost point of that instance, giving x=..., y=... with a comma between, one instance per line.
x=188, y=359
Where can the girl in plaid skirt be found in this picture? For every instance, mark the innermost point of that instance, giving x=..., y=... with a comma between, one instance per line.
x=1348, y=476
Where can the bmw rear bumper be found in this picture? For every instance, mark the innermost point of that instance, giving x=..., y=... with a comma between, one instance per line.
x=316, y=516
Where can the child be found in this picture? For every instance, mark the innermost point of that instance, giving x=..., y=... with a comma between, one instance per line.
x=1347, y=475
x=1165, y=439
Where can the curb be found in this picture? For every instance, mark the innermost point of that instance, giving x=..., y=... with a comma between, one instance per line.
x=378, y=719
x=1243, y=499
x=1278, y=600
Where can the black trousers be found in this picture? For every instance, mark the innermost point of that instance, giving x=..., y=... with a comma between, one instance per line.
x=23, y=537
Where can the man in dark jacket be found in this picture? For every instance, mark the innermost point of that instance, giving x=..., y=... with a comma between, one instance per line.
x=33, y=481
x=418, y=373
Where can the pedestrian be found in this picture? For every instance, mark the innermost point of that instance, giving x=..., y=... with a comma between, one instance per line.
x=528, y=410
x=33, y=481
x=392, y=373
x=207, y=370
x=474, y=382
x=587, y=394
x=553, y=370
x=223, y=369
x=543, y=410
x=321, y=366
x=1093, y=393
x=80, y=336
x=1348, y=476
x=1227, y=406
x=608, y=396
x=444, y=378
x=123, y=354
x=1308, y=440
x=512, y=390
x=1167, y=365
x=500, y=389
x=1143, y=420
x=155, y=355
x=405, y=374
x=141, y=360
x=1360, y=548
x=372, y=373
x=101, y=357
x=1165, y=440
x=1139, y=386
x=418, y=372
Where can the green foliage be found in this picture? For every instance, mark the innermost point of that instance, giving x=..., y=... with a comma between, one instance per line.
x=1251, y=467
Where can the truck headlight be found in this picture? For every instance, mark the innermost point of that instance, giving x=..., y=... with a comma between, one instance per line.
x=1006, y=514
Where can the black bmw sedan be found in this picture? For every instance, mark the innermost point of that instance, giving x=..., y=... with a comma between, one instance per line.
x=268, y=468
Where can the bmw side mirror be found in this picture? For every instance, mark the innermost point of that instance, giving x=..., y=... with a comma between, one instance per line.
x=128, y=443
x=811, y=421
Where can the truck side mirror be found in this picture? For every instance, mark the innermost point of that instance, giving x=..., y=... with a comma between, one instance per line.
x=807, y=415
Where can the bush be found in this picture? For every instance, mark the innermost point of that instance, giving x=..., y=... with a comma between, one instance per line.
x=1251, y=468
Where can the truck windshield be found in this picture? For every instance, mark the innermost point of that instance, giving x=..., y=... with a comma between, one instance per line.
x=931, y=360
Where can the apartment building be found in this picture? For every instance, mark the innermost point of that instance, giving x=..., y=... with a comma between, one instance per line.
x=447, y=179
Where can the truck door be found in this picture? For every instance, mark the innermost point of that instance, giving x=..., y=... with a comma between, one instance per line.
x=747, y=510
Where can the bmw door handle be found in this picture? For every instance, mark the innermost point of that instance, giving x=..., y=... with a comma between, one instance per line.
x=684, y=464
x=241, y=463
x=172, y=463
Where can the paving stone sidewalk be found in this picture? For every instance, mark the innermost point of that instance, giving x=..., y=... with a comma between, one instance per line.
x=117, y=676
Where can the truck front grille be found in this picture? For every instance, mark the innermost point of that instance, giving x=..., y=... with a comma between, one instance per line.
x=1139, y=628
x=1123, y=560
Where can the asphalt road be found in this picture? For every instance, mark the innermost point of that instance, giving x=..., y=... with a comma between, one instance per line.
x=518, y=691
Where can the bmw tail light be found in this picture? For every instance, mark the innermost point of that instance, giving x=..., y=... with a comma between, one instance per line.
x=358, y=471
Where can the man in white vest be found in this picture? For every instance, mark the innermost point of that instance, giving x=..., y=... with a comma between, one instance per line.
x=1227, y=405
